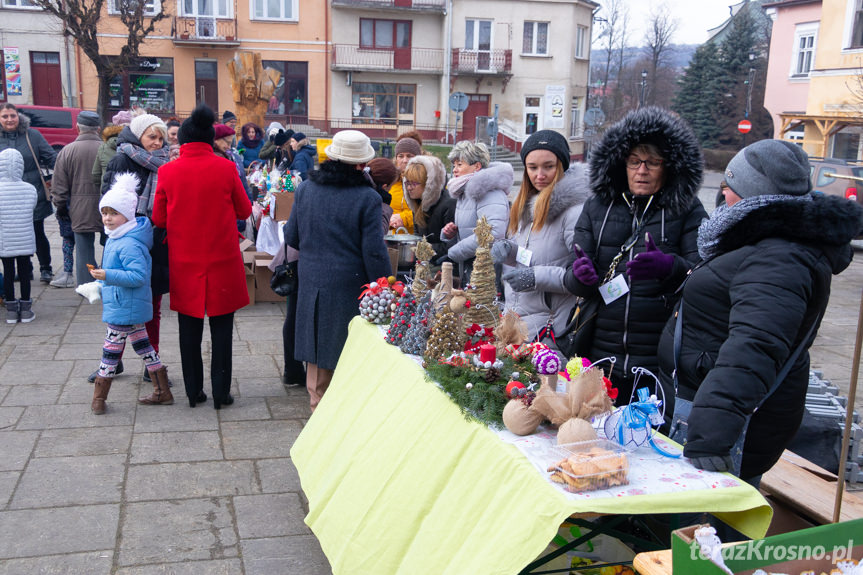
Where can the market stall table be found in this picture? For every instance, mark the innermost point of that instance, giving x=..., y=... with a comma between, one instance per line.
x=399, y=481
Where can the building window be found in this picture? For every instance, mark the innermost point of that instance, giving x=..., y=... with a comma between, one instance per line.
x=581, y=42
x=374, y=103
x=291, y=95
x=477, y=35
x=151, y=7
x=532, y=113
x=20, y=4
x=385, y=34
x=575, y=130
x=148, y=83
x=535, y=38
x=212, y=8
x=274, y=10
x=804, y=49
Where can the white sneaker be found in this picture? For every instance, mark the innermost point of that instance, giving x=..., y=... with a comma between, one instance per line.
x=64, y=280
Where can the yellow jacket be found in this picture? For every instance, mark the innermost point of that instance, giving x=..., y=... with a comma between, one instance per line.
x=401, y=207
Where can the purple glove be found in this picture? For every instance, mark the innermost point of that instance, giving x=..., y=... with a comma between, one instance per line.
x=651, y=264
x=582, y=268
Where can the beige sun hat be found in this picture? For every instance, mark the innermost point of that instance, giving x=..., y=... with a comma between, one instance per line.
x=350, y=147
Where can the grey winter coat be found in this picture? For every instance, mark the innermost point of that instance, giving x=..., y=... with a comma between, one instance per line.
x=43, y=149
x=73, y=186
x=552, y=254
x=17, y=200
x=485, y=194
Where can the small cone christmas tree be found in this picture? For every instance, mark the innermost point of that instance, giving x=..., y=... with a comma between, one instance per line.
x=482, y=310
x=422, y=274
x=405, y=311
x=446, y=333
x=414, y=341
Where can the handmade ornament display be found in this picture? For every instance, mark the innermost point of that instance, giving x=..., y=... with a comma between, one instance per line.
x=584, y=399
x=633, y=425
x=422, y=273
x=403, y=312
x=446, y=337
x=375, y=301
x=519, y=416
x=416, y=337
x=511, y=331
x=483, y=290
x=478, y=336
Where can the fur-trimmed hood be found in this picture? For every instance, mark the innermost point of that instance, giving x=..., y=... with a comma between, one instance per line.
x=435, y=181
x=829, y=222
x=339, y=175
x=684, y=164
x=109, y=132
x=572, y=190
x=497, y=176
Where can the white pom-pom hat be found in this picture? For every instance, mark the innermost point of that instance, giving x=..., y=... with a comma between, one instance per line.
x=122, y=197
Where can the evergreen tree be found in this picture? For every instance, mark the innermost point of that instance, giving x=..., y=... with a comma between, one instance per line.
x=698, y=95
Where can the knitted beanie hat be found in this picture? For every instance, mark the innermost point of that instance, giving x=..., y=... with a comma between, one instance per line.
x=227, y=116
x=122, y=196
x=298, y=136
x=121, y=118
x=198, y=127
x=281, y=138
x=140, y=124
x=547, y=140
x=222, y=131
x=382, y=172
x=408, y=146
x=89, y=119
x=769, y=168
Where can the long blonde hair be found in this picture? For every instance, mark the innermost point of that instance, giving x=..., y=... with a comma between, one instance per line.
x=416, y=172
x=540, y=211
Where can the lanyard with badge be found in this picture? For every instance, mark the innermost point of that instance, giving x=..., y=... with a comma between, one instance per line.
x=614, y=285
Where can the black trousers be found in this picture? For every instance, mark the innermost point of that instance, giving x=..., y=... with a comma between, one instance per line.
x=221, y=333
x=43, y=248
x=24, y=267
x=295, y=373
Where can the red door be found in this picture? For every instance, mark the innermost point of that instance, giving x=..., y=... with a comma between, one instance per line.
x=477, y=106
x=207, y=83
x=45, y=71
x=402, y=55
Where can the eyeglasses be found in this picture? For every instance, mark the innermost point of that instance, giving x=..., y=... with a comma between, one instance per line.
x=412, y=184
x=651, y=163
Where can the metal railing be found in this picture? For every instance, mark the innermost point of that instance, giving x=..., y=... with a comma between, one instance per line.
x=355, y=57
x=435, y=5
x=472, y=62
x=205, y=29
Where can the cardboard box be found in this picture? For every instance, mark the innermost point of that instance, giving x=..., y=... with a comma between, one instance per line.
x=247, y=245
x=250, y=281
x=284, y=203
x=263, y=292
x=817, y=549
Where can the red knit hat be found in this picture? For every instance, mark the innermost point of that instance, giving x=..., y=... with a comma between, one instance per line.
x=223, y=131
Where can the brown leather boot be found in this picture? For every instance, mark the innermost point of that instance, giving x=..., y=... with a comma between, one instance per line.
x=161, y=390
x=102, y=386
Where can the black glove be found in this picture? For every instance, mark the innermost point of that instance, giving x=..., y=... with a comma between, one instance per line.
x=63, y=211
x=713, y=462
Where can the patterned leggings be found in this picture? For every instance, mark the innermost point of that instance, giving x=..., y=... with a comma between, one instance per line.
x=115, y=343
x=68, y=244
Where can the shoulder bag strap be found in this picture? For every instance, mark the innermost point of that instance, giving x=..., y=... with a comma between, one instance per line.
x=38, y=165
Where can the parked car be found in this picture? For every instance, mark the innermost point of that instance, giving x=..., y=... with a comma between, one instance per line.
x=837, y=177
x=57, y=125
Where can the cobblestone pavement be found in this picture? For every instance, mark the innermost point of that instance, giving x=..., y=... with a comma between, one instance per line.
x=148, y=490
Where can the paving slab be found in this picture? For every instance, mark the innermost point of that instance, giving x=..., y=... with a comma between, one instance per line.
x=264, y=387
x=224, y=567
x=68, y=529
x=75, y=415
x=176, y=446
x=8, y=481
x=289, y=408
x=177, y=530
x=191, y=480
x=24, y=395
x=60, y=481
x=282, y=555
x=92, y=563
x=17, y=372
x=270, y=515
x=259, y=439
x=10, y=416
x=82, y=442
x=16, y=448
x=178, y=417
x=246, y=409
x=278, y=475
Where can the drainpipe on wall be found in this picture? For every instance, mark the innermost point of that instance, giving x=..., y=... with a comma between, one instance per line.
x=447, y=67
x=72, y=99
x=78, y=75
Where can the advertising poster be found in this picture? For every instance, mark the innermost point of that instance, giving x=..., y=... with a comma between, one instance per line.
x=554, y=98
x=13, y=71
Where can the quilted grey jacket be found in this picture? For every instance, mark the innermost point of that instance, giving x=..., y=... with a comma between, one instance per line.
x=17, y=200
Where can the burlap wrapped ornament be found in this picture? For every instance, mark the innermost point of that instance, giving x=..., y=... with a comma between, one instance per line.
x=512, y=330
x=519, y=418
x=584, y=399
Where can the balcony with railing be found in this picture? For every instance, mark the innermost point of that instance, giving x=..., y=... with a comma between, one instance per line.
x=481, y=62
x=205, y=30
x=438, y=6
x=352, y=57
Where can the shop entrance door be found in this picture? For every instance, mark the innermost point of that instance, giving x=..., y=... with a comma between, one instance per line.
x=477, y=106
x=45, y=70
x=207, y=84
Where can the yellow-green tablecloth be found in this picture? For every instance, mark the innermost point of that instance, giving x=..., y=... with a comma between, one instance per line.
x=398, y=481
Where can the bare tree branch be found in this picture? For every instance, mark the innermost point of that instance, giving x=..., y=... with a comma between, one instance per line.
x=657, y=39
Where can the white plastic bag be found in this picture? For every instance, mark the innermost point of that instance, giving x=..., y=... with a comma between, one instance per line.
x=268, y=236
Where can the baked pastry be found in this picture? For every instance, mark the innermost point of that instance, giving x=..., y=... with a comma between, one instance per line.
x=594, y=469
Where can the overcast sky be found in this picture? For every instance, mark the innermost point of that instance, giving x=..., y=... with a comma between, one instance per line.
x=694, y=17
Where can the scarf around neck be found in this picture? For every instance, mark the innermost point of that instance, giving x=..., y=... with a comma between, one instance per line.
x=121, y=230
x=456, y=184
x=725, y=217
x=152, y=161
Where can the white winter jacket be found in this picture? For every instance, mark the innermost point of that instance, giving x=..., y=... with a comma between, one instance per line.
x=17, y=200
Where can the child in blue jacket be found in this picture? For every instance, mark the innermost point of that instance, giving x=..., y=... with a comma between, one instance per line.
x=127, y=303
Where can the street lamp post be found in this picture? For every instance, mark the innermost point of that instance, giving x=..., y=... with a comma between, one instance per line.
x=750, y=80
x=643, y=85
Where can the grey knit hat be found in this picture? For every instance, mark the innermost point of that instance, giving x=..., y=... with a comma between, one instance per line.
x=769, y=168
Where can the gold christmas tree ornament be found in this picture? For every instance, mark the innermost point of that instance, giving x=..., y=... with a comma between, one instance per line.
x=483, y=291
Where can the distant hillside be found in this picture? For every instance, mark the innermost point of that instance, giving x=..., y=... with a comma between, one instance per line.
x=679, y=55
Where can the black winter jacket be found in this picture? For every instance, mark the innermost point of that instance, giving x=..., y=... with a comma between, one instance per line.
x=744, y=313
x=119, y=164
x=439, y=215
x=628, y=329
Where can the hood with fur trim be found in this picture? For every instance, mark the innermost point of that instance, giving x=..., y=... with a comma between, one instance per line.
x=435, y=182
x=684, y=164
x=497, y=176
x=572, y=190
x=829, y=222
x=110, y=131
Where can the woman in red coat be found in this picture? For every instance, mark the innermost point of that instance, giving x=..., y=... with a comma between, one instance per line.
x=199, y=199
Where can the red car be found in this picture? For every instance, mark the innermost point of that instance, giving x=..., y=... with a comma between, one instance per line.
x=57, y=125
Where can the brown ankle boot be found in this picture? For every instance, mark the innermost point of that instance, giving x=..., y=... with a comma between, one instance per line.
x=161, y=390
x=102, y=386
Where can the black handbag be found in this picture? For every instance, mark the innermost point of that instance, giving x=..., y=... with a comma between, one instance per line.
x=284, y=279
x=577, y=337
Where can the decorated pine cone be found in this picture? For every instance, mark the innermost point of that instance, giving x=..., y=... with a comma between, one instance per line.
x=375, y=308
x=492, y=374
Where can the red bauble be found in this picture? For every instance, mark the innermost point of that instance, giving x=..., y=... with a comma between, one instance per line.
x=512, y=385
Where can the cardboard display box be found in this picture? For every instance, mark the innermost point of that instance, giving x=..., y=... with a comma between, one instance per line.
x=283, y=204
x=263, y=292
